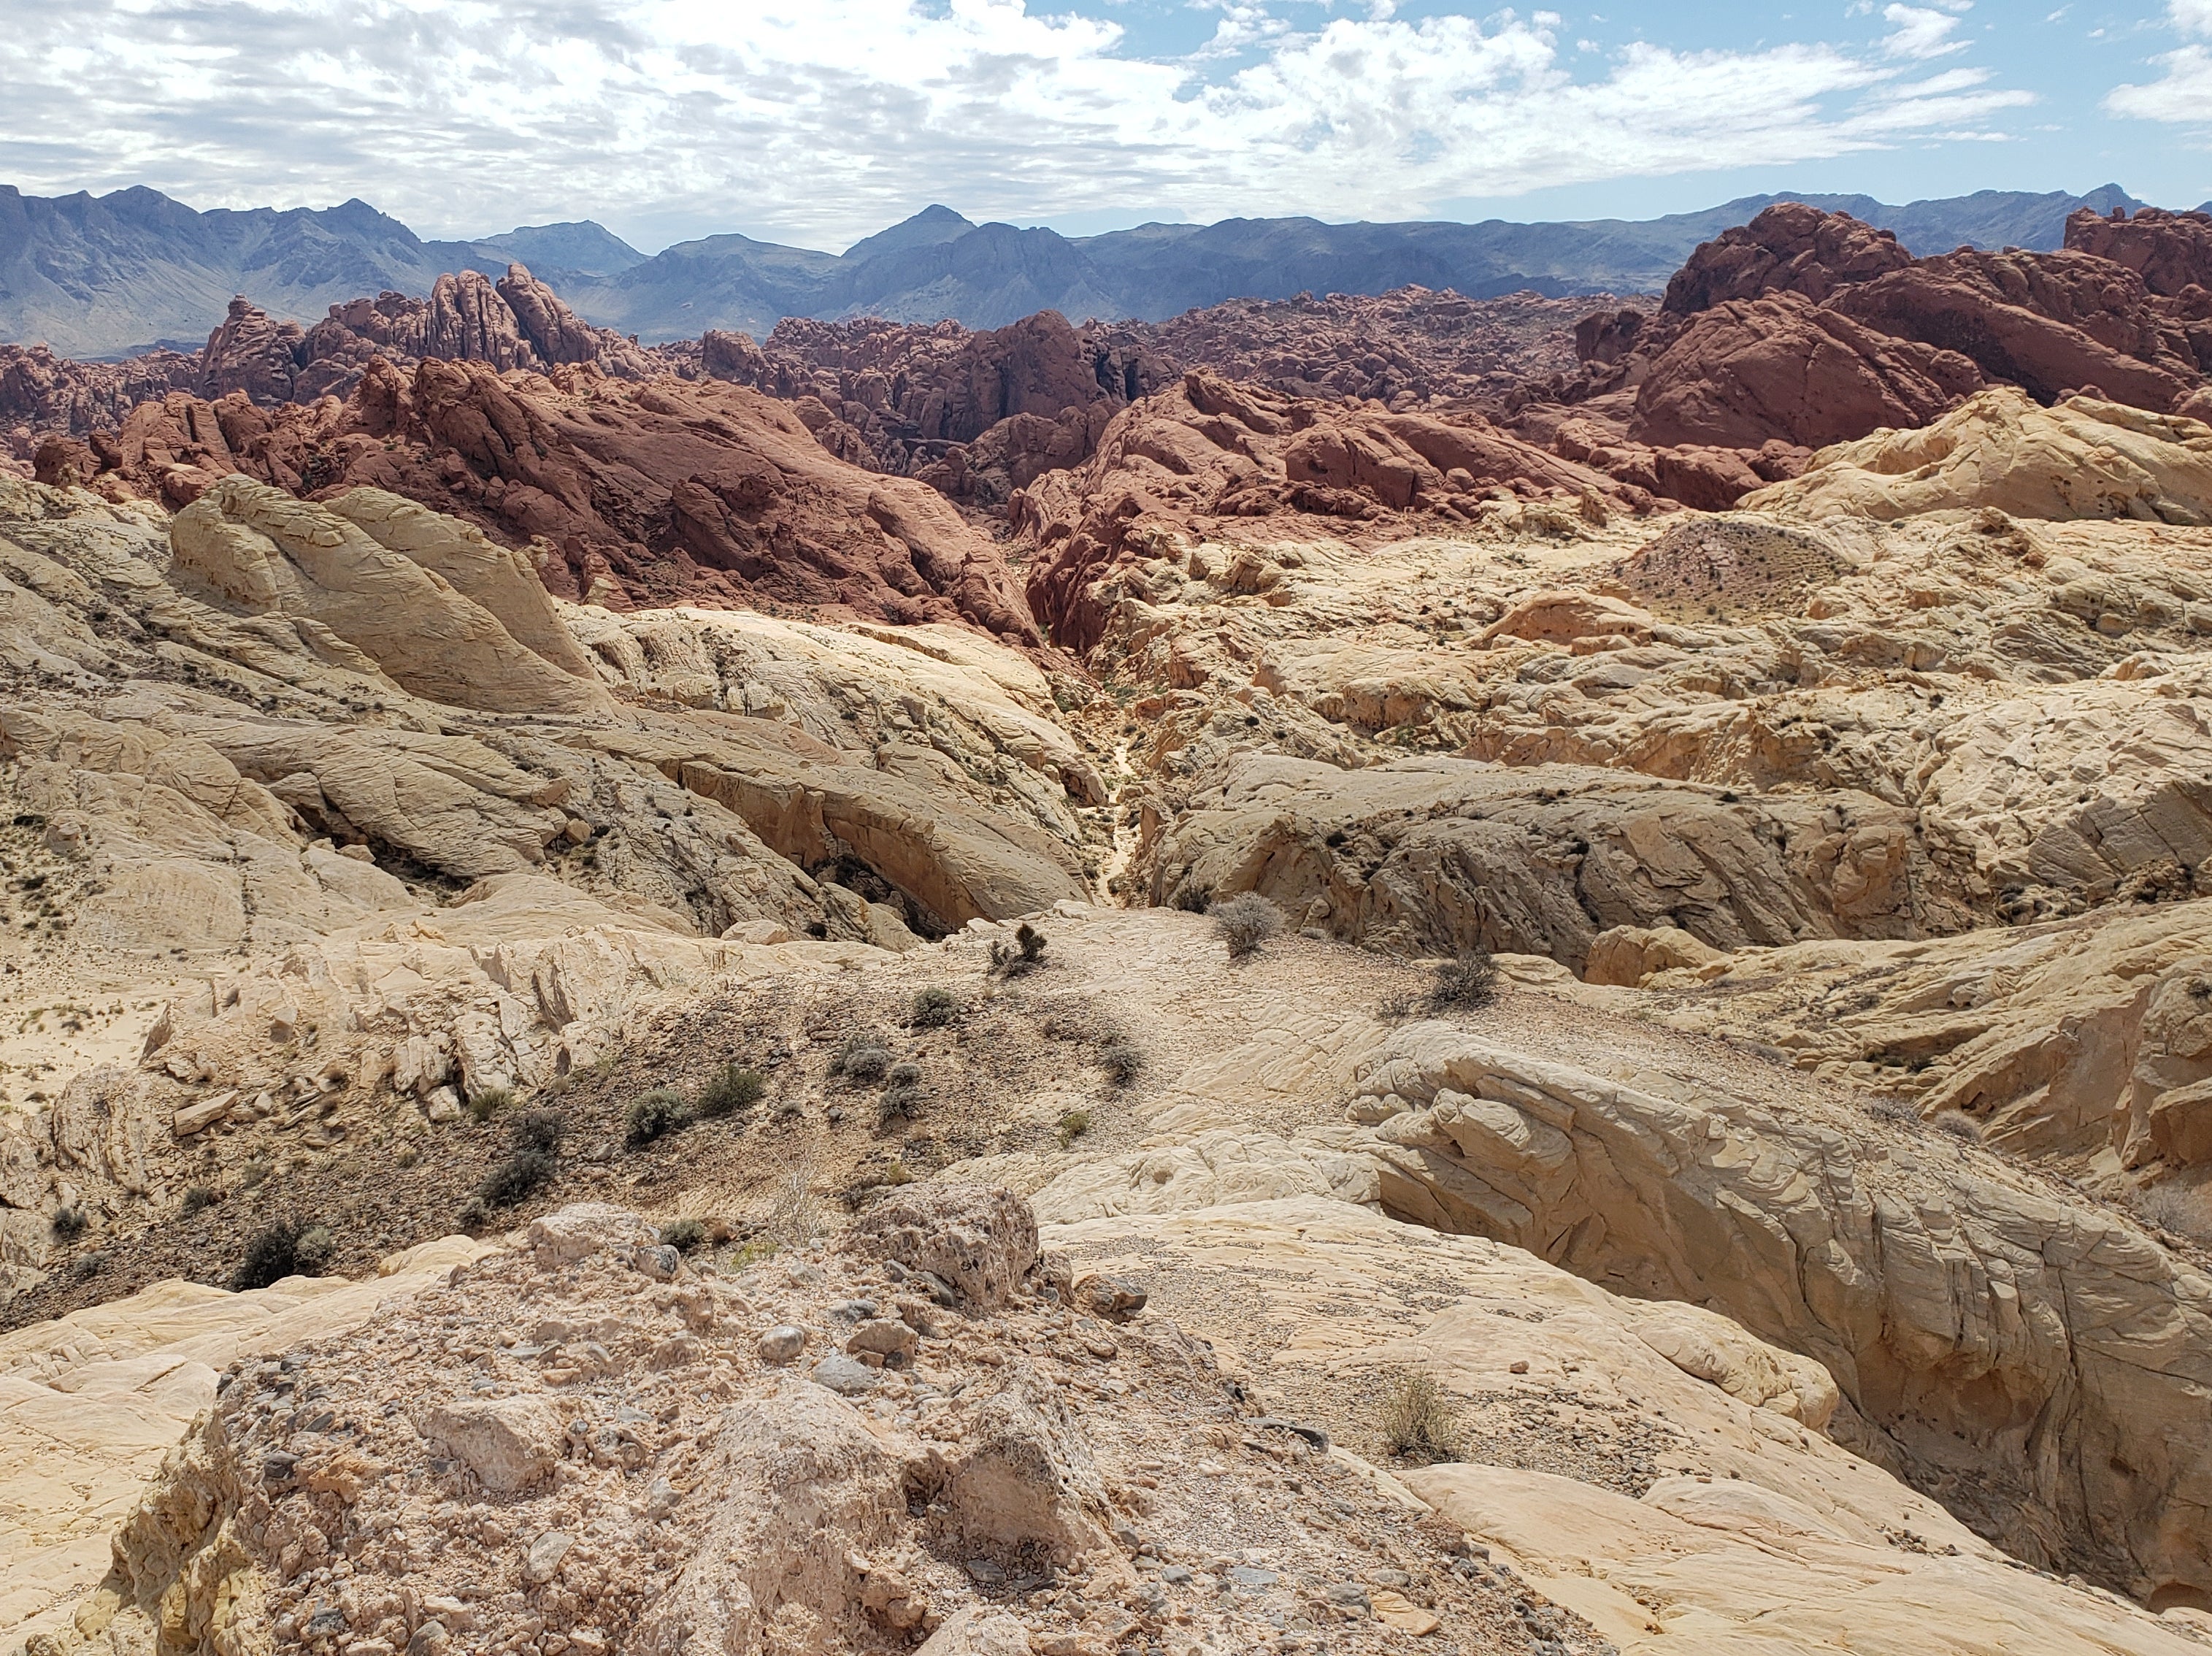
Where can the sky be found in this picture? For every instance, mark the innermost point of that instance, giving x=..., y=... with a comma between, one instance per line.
x=818, y=122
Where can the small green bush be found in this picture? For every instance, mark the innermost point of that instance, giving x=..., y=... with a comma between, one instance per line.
x=655, y=1115
x=934, y=1007
x=730, y=1091
x=1073, y=1126
x=200, y=1196
x=682, y=1234
x=1245, y=921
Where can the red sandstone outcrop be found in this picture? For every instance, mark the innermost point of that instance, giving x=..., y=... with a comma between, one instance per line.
x=517, y=322
x=1211, y=448
x=668, y=492
x=1812, y=328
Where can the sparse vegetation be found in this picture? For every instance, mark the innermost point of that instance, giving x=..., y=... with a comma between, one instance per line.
x=730, y=1091
x=934, y=1007
x=1245, y=921
x=198, y=1197
x=683, y=1234
x=487, y=1102
x=70, y=1222
x=862, y=1058
x=1958, y=1125
x=2169, y=1207
x=1024, y=954
x=1073, y=1126
x=1193, y=899
x=315, y=1250
x=284, y=1249
x=1894, y=1110
x=1466, y=984
x=253, y=1175
x=655, y=1115
x=1418, y=1420
x=1122, y=1060
x=518, y=1178
x=1397, y=1006
x=541, y=1130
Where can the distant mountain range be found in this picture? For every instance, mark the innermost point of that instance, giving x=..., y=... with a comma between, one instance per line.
x=108, y=275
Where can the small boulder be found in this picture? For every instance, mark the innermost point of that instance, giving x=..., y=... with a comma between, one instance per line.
x=781, y=1344
x=1114, y=1297
x=846, y=1376
x=509, y=1443
x=982, y=1241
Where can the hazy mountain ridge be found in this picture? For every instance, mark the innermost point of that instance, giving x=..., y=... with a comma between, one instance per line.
x=101, y=276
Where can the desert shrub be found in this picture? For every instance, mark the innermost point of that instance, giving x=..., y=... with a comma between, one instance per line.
x=253, y=1175
x=863, y=1056
x=1245, y=921
x=1894, y=1110
x=1959, y=1126
x=1397, y=1006
x=682, y=1234
x=1192, y=899
x=2169, y=1207
x=1464, y=984
x=284, y=1249
x=200, y=1196
x=729, y=1091
x=908, y=1074
x=653, y=1115
x=541, y=1130
x=1073, y=1126
x=902, y=1100
x=1418, y=1420
x=518, y=1178
x=313, y=1250
x=1122, y=1060
x=934, y=1007
x=1026, y=953
x=794, y=1218
x=92, y=1264
x=489, y=1101
x=70, y=1222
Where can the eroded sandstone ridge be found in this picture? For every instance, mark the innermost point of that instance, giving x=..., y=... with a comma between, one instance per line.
x=1689, y=1129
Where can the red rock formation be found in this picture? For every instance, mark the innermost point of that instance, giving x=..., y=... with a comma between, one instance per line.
x=1789, y=248
x=2171, y=252
x=41, y=393
x=671, y=491
x=1212, y=450
x=1811, y=327
x=1407, y=348
x=917, y=401
x=518, y=322
x=1749, y=371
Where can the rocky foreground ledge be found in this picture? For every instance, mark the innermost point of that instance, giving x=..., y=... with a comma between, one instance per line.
x=931, y=1433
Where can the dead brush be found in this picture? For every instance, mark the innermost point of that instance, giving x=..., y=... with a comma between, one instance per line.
x=1021, y=956
x=1418, y=1421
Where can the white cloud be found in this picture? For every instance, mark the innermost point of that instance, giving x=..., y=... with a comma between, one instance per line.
x=822, y=120
x=2179, y=95
x=2182, y=96
x=1918, y=32
x=2189, y=16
